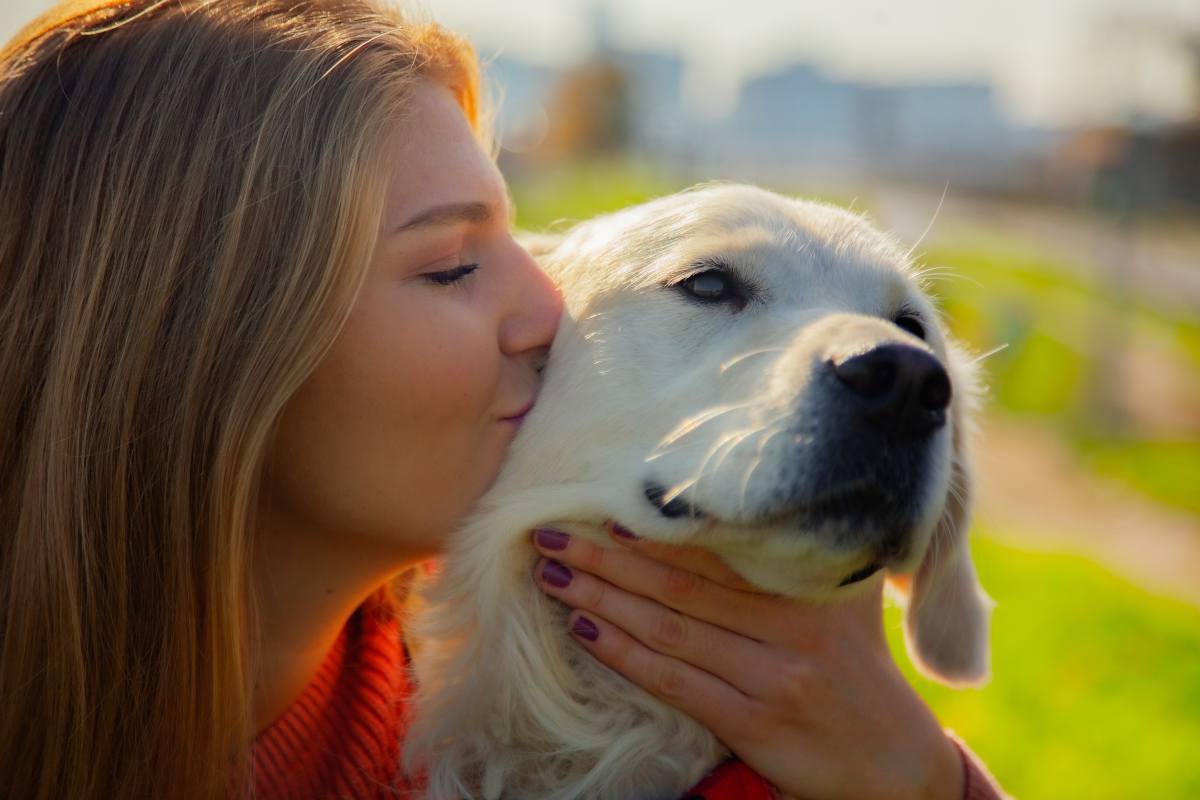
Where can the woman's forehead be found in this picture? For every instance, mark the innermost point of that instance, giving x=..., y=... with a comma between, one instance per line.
x=437, y=161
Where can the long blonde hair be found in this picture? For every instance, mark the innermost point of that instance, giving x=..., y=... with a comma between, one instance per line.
x=189, y=194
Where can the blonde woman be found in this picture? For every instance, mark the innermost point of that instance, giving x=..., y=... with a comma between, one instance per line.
x=264, y=339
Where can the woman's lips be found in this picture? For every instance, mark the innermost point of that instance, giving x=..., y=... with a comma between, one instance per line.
x=520, y=415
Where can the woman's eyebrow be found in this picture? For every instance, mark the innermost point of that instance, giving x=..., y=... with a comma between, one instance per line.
x=449, y=214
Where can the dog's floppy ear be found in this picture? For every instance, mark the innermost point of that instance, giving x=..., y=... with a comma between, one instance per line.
x=947, y=613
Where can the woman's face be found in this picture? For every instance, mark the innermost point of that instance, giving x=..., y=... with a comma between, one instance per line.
x=402, y=427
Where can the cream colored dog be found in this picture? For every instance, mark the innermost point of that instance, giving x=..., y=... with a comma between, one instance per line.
x=753, y=374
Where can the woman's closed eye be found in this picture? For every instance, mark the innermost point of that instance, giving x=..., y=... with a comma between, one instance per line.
x=451, y=276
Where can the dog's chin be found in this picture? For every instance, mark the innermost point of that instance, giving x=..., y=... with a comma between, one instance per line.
x=819, y=548
x=834, y=578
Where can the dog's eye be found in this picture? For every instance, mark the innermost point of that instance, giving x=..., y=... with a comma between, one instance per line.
x=709, y=286
x=713, y=286
x=911, y=323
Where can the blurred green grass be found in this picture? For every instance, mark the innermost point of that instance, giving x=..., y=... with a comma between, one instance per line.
x=1096, y=684
x=1059, y=332
x=1167, y=471
x=550, y=199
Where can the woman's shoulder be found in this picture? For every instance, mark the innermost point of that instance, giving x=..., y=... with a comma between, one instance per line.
x=341, y=736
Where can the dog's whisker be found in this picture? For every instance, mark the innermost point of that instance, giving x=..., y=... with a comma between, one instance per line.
x=758, y=460
x=768, y=431
x=724, y=442
x=745, y=435
x=731, y=362
x=989, y=353
x=948, y=275
x=721, y=442
x=934, y=273
x=704, y=461
x=694, y=422
x=928, y=278
x=737, y=438
x=929, y=227
x=676, y=490
x=956, y=489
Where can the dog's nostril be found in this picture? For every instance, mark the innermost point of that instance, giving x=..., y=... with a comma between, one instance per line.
x=935, y=391
x=900, y=387
x=871, y=374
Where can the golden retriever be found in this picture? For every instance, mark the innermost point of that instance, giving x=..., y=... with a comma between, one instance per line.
x=753, y=374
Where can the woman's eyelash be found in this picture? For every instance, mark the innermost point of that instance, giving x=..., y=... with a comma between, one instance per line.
x=451, y=276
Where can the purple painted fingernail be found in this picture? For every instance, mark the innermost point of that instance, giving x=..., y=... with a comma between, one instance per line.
x=585, y=628
x=624, y=533
x=557, y=574
x=551, y=539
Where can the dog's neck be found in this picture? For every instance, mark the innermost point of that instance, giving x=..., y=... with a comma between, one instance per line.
x=509, y=705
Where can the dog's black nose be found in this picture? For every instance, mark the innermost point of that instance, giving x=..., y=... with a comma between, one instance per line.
x=900, y=388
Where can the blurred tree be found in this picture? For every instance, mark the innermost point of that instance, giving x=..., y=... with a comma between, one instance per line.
x=590, y=112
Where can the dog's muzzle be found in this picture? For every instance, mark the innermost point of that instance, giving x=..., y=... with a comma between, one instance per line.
x=873, y=448
x=858, y=483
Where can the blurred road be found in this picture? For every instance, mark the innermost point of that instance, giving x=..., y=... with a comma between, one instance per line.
x=1032, y=491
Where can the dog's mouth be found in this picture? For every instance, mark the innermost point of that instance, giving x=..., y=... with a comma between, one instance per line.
x=674, y=508
x=861, y=503
x=856, y=505
x=860, y=575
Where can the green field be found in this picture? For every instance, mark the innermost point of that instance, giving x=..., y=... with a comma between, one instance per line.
x=1095, y=689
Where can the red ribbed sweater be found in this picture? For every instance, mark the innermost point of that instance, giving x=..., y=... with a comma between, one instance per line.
x=341, y=737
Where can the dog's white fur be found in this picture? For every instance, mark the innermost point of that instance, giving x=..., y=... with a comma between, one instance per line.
x=644, y=382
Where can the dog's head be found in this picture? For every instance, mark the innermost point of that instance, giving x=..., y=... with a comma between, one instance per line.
x=765, y=377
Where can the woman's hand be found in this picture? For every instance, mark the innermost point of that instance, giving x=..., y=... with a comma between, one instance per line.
x=807, y=695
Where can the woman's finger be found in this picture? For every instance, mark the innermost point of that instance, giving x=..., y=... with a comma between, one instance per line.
x=688, y=557
x=749, y=613
x=745, y=663
x=712, y=702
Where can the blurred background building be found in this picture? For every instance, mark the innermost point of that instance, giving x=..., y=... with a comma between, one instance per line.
x=802, y=119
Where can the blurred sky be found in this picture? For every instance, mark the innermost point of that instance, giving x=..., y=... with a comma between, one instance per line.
x=1053, y=61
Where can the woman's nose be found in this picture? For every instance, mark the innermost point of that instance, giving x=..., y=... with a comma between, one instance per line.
x=535, y=307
